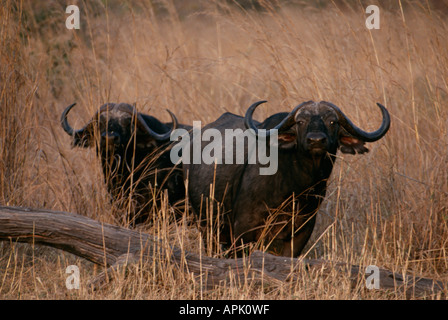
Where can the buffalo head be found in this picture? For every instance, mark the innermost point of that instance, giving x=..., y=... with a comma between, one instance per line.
x=116, y=124
x=318, y=128
x=133, y=148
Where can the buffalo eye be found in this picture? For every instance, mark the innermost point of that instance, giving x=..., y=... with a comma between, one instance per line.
x=126, y=122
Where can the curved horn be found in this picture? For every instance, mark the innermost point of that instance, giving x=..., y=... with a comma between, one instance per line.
x=81, y=137
x=64, y=122
x=132, y=110
x=67, y=128
x=359, y=133
x=284, y=124
x=155, y=135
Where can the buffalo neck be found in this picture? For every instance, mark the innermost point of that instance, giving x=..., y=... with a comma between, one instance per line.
x=304, y=171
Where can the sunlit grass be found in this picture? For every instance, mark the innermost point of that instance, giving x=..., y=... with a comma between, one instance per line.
x=387, y=208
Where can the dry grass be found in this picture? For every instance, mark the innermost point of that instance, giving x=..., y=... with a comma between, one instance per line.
x=387, y=208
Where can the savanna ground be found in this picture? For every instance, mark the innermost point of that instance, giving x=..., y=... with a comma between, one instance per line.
x=199, y=59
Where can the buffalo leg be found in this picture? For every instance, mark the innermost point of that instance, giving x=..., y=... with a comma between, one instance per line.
x=294, y=247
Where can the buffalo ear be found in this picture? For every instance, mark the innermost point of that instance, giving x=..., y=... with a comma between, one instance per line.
x=287, y=140
x=83, y=139
x=145, y=141
x=352, y=145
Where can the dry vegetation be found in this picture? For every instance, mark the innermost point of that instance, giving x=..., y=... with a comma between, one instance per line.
x=388, y=208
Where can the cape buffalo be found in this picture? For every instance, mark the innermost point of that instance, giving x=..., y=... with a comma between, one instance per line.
x=134, y=155
x=283, y=205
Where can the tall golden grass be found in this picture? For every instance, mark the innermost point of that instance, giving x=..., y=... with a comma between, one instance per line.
x=387, y=208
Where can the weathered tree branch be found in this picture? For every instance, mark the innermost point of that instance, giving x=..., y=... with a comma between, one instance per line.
x=113, y=246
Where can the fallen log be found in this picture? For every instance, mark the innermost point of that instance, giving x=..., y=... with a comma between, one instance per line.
x=112, y=246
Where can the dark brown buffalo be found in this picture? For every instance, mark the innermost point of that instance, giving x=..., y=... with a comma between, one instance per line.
x=134, y=152
x=281, y=206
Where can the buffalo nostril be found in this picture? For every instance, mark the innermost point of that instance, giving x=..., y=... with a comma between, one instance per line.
x=316, y=139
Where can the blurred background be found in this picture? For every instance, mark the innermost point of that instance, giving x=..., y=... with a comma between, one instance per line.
x=203, y=58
